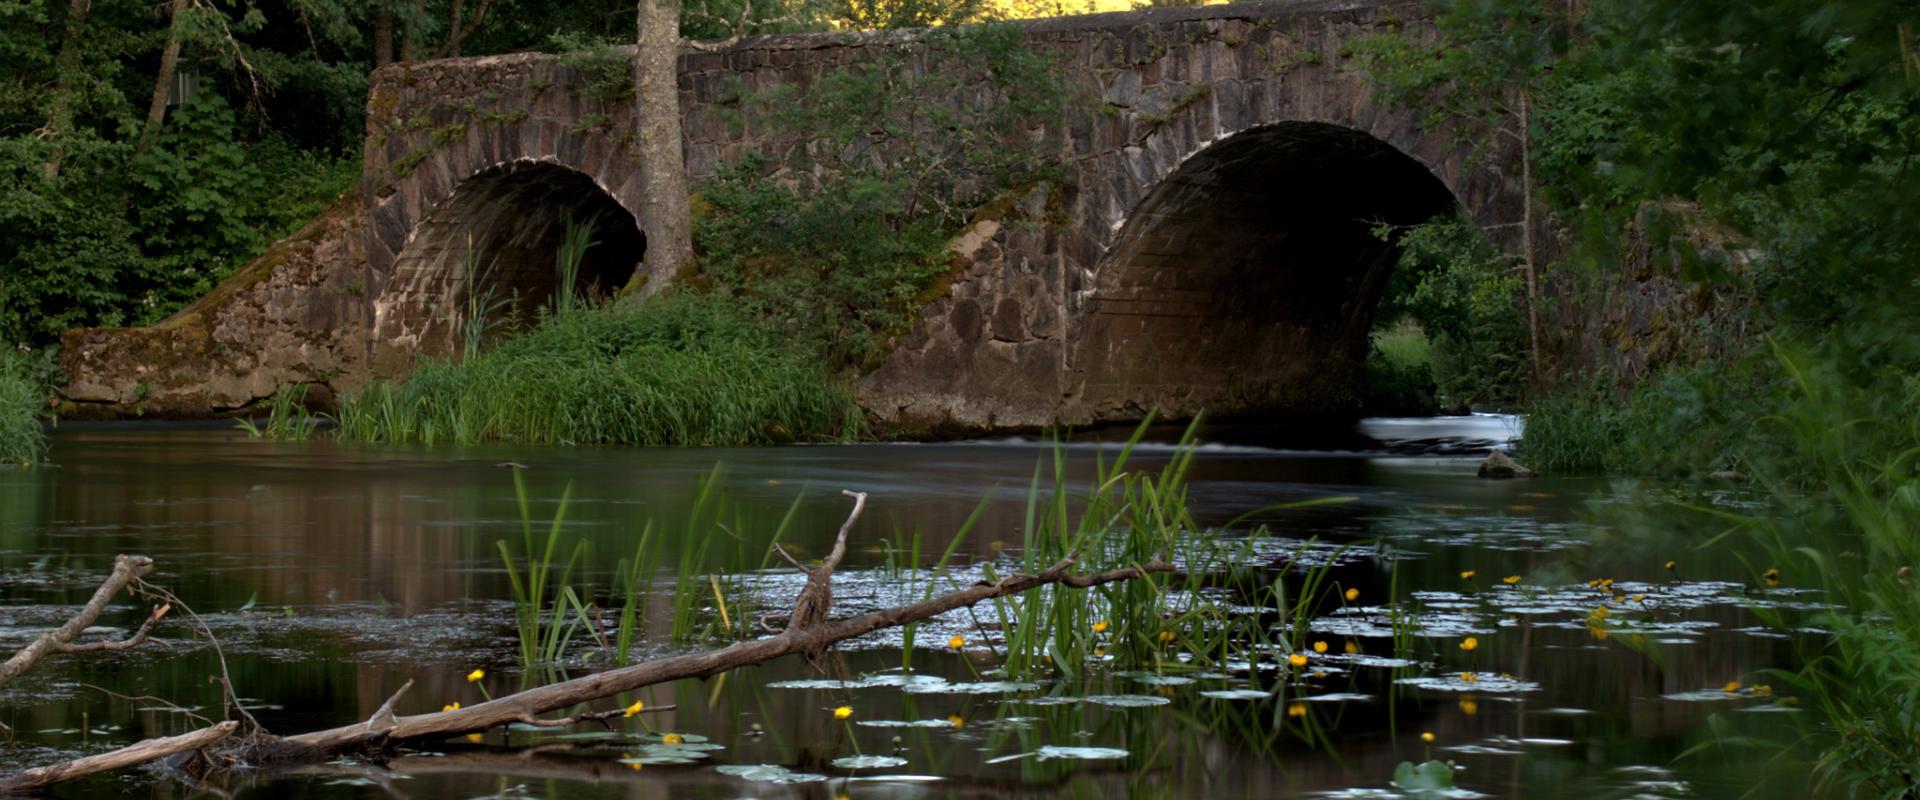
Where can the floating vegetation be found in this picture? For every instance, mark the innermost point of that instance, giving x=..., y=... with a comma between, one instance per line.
x=1237, y=694
x=768, y=773
x=869, y=762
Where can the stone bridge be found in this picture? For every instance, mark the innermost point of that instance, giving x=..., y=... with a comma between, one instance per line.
x=1208, y=246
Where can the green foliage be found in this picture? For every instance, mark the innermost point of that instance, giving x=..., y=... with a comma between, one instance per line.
x=680, y=369
x=1459, y=290
x=287, y=417
x=21, y=398
x=545, y=603
x=839, y=258
x=1427, y=779
x=1845, y=502
x=1400, y=372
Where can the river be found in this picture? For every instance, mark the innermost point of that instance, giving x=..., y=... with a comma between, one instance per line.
x=332, y=573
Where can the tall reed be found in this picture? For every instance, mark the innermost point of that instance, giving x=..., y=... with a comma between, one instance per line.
x=547, y=610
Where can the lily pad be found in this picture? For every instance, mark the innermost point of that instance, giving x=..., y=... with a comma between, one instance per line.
x=1127, y=700
x=1084, y=753
x=1430, y=779
x=769, y=773
x=1237, y=694
x=869, y=762
x=983, y=687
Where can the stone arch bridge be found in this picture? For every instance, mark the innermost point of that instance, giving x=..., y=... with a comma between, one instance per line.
x=1214, y=251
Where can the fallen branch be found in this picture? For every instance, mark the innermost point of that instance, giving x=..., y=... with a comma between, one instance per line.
x=808, y=633
x=545, y=699
x=122, y=758
x=127, y=572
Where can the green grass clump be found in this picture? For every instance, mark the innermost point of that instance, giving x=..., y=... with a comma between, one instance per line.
x=678, y=370
x=21, y=439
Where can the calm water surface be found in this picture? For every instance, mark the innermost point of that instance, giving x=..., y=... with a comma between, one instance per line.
x=333, y=573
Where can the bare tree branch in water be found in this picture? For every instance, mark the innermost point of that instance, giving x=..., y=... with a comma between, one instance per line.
x=130, y=756
x=809, y=634
x=126, y=575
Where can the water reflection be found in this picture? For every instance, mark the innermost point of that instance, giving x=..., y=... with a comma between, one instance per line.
x=362, y=567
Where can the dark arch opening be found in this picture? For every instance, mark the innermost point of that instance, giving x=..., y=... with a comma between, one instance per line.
x=510, y=222
x=1246, y=281
x=518, y=217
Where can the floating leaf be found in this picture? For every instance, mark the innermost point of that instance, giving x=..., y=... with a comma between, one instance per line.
x=1085, y=753
x=1127, y=700
x=1431, y=779
x=1237, y=694
x=769, y=773
x=869, y=762
x=983, y=687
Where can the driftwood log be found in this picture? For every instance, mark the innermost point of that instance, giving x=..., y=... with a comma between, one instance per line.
x=808, y=633
x=130, y=756
x=126, y=575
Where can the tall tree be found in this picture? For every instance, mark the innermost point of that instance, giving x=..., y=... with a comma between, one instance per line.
x=163, y=82
x=66, y=71
x=665, y=213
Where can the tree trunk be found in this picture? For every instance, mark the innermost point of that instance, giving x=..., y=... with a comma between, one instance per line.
x=664, y=213
x=163, y=85
x=382, y=37
x=410, y=39
x=452, y=47
x=66, y=69
x=1526, y=235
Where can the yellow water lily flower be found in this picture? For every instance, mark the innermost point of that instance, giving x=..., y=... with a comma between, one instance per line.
x=957, y=642
x=672, y=738
x=1771, y=576
x=1352, y=595
x=1763, y=690
x=1468, y=706
x=476, y=738
x=1297, y=659
x=453, y=706
x=1319, y=647
x=1297, y=710
x=1510, y=580
x=1467, y=575
x=1469, y=677
x=1672, y=564
x=476, y=675
x=1353, y=647
x=843, y=712
x=637, y=706
x=1732, y=687
x=1166, y=636
x=1100, y=627
x=1426, y=736
x=1470, y=644
x=956, y=721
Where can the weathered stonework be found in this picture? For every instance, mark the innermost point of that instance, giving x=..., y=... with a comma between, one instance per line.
x=1206, y=246
x=297, y=314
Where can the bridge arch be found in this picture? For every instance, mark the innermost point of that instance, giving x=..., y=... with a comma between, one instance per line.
x=1245, y=277
x=492, y=243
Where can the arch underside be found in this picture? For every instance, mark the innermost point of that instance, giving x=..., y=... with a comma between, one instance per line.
x=504, y=227
x=1246, y=280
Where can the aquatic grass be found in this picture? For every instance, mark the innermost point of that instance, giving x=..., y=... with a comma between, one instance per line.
x=1132, y=517
x=21, y=439
x=287, y=417
x=1852, y=536
x=545, y=603
x=680, y=370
